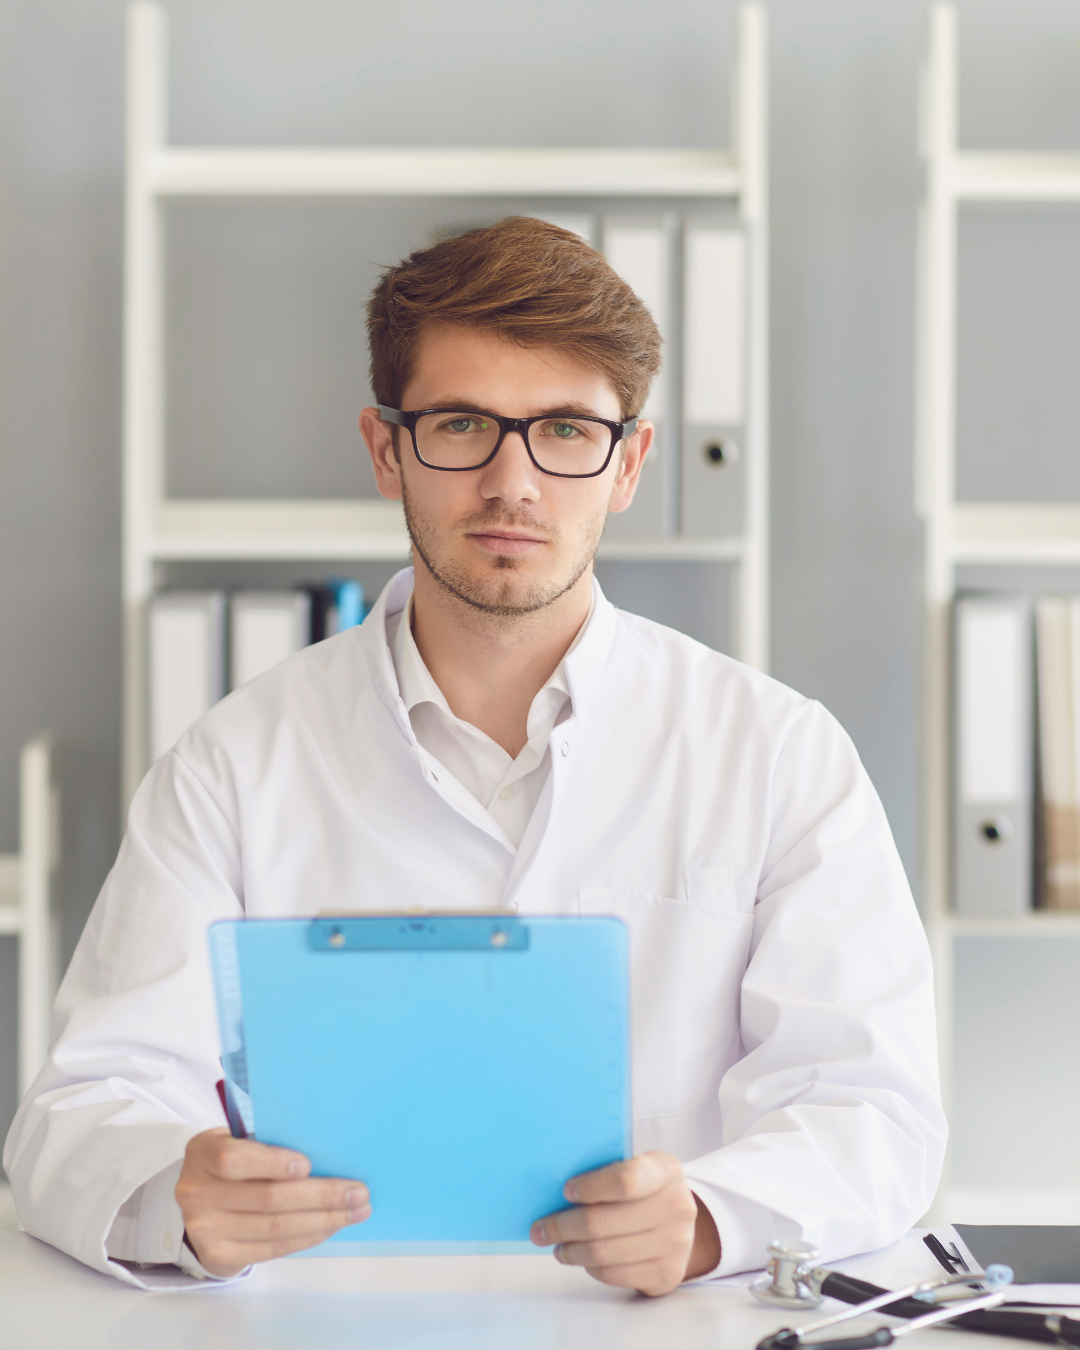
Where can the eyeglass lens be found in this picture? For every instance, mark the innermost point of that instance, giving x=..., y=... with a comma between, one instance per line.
x=464, y=440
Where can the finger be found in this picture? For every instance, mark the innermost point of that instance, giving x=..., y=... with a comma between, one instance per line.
x=649, y=1277
x=274, y=1227
x=631, y=1180
x=587, y=1222
x=673, y=1242
x=222, y=1256
x=279, y=1197
x=218, y=1153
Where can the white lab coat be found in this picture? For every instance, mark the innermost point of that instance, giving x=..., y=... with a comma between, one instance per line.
x=783, y=1026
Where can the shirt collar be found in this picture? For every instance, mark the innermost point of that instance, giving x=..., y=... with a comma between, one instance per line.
x=417, y=685
x=581, y=667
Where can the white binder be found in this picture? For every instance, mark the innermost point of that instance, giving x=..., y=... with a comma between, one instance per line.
x=187, y=662
x=639, y=254
x=993, y=818
x=266, y=627
x=714, y=382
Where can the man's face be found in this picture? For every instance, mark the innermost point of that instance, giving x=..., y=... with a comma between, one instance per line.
x=506, y=539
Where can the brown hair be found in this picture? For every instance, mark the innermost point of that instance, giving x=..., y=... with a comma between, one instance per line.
x=533, y=283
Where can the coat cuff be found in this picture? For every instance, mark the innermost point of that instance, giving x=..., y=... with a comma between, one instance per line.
x=745, y=1228
x=147, y=1236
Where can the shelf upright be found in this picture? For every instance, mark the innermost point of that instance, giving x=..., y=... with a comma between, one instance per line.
x=958, y=533
x=159, y=529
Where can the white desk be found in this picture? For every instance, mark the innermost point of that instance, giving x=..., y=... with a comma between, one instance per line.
x=50, y=1302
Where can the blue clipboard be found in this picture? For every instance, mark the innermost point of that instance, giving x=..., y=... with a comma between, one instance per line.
x=464, y=1067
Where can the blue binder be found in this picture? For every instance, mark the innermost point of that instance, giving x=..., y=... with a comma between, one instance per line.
x=464, y=1067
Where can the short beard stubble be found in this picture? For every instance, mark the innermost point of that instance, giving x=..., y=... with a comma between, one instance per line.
x=490, y=597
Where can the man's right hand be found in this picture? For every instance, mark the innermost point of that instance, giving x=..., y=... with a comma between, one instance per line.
x=244, y=1202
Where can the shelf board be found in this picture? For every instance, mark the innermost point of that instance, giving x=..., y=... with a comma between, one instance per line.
x=435, y=172
x=192, y=528
x=189, y=529
x=1016, y=177
x=729, y=549
x=989, y=532
x=1037, y=923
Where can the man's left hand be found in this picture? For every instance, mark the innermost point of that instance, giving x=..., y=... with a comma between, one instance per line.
x=636, y=1224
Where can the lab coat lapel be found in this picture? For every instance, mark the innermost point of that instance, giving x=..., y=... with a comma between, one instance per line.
x=584, y=667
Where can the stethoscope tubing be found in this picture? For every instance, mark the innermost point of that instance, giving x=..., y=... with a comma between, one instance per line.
x=792, y=1338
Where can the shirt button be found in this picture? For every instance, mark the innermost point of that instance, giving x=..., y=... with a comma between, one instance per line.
x=506, y=792
x=565, y=748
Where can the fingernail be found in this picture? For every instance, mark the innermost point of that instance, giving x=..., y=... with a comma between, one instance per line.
x=359, y=1214
x=570, y=1191
x=357, y=1198
x=538, y=1235
x=298, y=1167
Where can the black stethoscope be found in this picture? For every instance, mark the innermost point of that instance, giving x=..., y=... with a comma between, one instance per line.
x=791, y=1281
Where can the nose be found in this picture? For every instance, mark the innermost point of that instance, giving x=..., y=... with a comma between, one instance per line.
x=511, y=476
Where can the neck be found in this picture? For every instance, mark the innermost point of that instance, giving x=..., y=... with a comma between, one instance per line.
x=491, y=667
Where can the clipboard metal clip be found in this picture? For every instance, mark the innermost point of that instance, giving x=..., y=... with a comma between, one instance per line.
x=419, y=932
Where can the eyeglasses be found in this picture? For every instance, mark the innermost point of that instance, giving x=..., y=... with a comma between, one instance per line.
x=565, y=446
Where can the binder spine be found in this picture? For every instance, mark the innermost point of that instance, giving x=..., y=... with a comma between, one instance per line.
x=714, y=382
x=640, y=253
x=993, y=770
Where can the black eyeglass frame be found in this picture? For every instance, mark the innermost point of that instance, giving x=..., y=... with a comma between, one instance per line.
x=619, y=432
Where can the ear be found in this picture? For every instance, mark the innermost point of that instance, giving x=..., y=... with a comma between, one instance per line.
x=378, y=437
x=635, y=448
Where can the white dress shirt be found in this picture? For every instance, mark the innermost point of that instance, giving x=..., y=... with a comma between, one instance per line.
x=782, y=1034
x=507, y=788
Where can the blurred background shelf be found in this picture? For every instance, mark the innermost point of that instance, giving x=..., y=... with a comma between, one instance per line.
x=1004, y=532
x=1004, y=993
x=433, y=172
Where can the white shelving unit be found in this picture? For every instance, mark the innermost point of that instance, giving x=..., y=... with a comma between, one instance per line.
x=960, y=533
x=25, y=902
x=159, y=529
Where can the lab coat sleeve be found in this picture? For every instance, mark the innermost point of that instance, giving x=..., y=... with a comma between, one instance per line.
x=832, y=1123
x=132, y=1071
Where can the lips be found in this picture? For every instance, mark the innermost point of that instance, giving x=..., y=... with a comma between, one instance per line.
x=502, y=541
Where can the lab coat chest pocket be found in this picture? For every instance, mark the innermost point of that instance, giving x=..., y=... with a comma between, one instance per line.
x=687, y=959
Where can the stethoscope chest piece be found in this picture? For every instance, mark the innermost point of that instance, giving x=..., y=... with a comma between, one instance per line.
x=784, y=1284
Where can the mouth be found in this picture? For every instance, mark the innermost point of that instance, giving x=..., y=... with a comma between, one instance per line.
x=506, y=541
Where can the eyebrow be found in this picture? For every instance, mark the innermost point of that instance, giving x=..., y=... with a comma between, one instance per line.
x=570, y=409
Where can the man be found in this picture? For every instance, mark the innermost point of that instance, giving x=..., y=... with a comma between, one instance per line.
x=497, y=735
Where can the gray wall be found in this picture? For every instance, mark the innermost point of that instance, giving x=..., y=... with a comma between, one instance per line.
x=846, y=183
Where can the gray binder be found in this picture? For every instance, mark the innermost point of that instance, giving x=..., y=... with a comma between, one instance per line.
x=993, y=778
x=714, y=380
x=639, y=252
